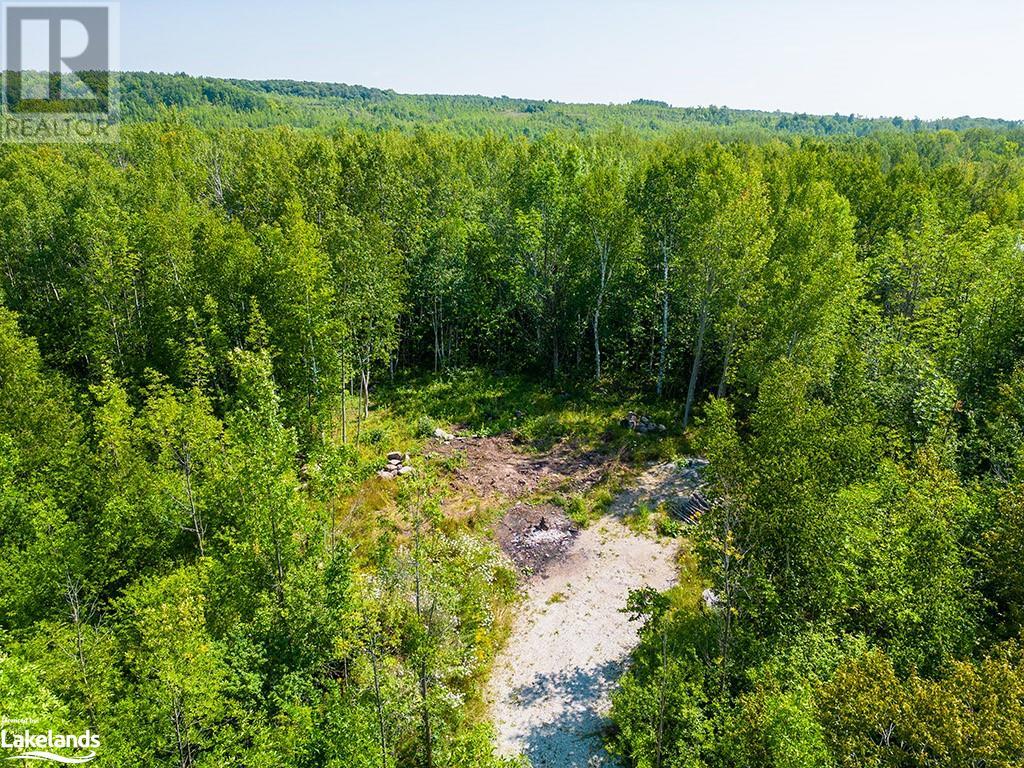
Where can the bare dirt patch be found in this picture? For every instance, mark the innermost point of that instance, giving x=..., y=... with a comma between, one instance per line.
x=534, y=535
x=549, y=691
x=496, y=466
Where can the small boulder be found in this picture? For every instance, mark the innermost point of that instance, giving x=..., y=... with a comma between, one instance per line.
x=406, y=470
x=709, y=600
x=394, y=456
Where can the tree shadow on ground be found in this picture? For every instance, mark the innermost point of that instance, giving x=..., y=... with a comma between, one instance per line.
x=572, y=737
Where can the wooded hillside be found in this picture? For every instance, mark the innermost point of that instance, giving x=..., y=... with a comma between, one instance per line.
x=217, y=102
x=197, y=322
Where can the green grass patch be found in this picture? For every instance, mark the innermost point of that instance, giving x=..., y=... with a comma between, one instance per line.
x=585, y=508
x=639, y=518
x=535, y=412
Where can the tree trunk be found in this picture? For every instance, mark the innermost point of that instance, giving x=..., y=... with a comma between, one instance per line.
x=602, y=255
x=725, y=363
x=698, y=349
x=75, y=603
x=427, y=737
x=437, y=341
x=424, y=692
x=366, y=395
x=728, y=592
x=359, y=420
x=664, y=320
x=344, y=413
x=380, y=709
x=184, y=747
x=197, y=521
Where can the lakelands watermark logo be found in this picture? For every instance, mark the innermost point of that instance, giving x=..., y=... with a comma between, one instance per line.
x=60, y=65
x=20, y=741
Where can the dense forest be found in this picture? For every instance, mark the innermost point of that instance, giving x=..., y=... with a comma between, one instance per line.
x=197, y=324
x=217, y=103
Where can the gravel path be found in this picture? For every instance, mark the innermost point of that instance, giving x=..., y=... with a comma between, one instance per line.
x=549, y=690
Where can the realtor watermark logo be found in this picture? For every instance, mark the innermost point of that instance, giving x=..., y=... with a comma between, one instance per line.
x=60, y=63
x=19, y=741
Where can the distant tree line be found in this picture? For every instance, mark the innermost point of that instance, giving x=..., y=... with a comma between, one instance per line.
x=326, y=106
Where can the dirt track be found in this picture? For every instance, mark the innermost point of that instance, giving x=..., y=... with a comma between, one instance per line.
x=549, y=690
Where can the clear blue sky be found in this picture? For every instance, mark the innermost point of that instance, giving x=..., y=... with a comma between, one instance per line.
x=903, y=57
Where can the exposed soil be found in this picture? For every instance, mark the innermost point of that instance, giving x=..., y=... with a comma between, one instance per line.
x=670, y=483
x=534, y=535
x=496, y=466
x=549, y=690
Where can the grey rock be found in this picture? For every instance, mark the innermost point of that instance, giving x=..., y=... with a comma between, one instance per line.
x=710, y=600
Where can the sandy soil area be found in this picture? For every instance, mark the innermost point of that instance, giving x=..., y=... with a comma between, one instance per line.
x=549, y=692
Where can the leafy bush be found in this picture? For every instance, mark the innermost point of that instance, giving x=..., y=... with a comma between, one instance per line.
x=670, y=526
x=424, y=427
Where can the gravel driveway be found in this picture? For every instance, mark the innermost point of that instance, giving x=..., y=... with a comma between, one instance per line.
x=549, y=691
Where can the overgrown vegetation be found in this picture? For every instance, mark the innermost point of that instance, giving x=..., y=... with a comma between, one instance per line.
x=210, y=340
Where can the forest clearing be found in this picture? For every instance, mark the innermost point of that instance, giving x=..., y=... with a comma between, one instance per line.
x=548, y=693
x=368, y=444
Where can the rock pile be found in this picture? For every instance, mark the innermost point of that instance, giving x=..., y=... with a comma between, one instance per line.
x=398, y=464
x=642, y=424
